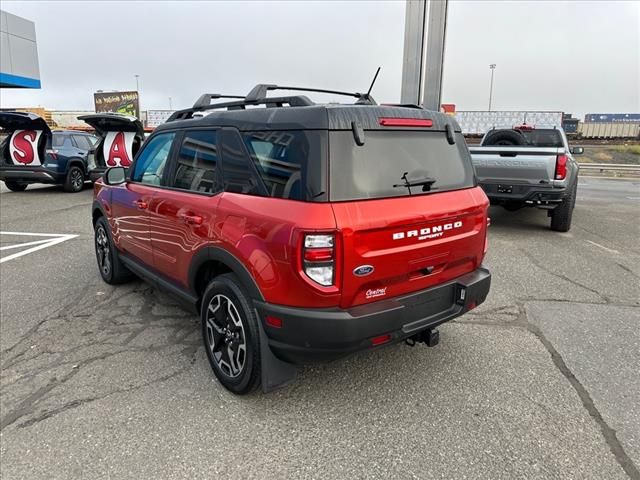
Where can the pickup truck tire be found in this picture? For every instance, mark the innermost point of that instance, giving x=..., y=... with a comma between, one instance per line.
x=15, y=186
x=112, y=270
x=74, y=181
x=504, y=138
x=561, y=215
x=231, y=335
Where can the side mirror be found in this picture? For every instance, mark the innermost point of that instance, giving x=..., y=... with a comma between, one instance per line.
x=115, y=176
x=577, y=150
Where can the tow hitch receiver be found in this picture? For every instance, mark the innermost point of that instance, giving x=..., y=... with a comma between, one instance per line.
x=430, y=337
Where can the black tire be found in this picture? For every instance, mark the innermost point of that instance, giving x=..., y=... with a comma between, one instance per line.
x=562, y=215
x=111, y=268
x=504, y=138
x=230, y=334
x=74, y=181
x=15, y=186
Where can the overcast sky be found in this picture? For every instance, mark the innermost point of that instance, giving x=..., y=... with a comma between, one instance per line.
x=573, y=56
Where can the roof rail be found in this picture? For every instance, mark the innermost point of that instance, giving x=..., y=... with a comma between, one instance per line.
x=259, y=92
x=258, y=96
x=205, y=99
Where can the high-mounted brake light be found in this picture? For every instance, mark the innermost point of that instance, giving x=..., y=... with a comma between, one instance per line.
x=318, y=258
x=405, y=122
x=524, y=126
x=561, y=167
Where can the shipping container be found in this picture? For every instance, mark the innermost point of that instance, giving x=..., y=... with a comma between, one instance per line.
x=570, y=125
x=609, y=130
x=479, y=122
x=612, y=117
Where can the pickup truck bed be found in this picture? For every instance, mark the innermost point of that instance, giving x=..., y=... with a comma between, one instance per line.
x=523, y=175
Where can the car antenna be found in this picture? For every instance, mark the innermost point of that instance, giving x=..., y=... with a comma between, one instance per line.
x=375, y=77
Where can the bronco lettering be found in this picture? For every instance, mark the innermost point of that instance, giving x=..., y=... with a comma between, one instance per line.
x=427, y=232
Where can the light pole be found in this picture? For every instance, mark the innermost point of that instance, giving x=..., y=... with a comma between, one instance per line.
x=492, y=67
x=137, y=83
x=170, y=104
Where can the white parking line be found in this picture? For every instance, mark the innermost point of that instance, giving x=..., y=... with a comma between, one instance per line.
x=53, y=239
x=610, y=250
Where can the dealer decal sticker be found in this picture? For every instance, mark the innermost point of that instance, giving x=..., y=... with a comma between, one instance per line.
x=23, y=148
x=117, y=149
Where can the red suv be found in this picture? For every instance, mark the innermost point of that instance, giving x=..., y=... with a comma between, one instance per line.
x=299, y=231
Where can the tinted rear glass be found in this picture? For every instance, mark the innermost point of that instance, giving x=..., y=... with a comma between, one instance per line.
x=543, y=138
x=372, y=170
x=292, y=163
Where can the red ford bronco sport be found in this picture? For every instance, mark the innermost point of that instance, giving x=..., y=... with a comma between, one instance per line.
x=299, y=231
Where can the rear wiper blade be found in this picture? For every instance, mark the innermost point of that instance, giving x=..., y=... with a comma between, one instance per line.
x=424, y=182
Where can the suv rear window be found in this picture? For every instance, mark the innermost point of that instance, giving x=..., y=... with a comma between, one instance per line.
x=372, y=170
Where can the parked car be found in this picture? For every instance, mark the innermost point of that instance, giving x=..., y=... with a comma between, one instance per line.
x=299, y=231
x=32, y=153
x=525, y=166
x=120, y=138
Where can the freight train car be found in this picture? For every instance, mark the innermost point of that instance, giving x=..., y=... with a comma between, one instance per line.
x=609, y=130
x=612, y=118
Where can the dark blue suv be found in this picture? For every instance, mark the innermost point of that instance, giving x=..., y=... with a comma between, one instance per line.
x=32, y=153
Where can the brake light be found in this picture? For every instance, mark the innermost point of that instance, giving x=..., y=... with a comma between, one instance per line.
x=318, y=258
x=53, y=153
x=561, y=167
x=524, y=126
x=405, y=122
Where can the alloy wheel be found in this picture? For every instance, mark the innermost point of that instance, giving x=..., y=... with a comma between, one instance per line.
x=77, y=179
x=102, y=250
x=226, y=336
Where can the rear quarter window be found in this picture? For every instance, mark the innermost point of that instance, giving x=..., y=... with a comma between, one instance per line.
x=372, y=170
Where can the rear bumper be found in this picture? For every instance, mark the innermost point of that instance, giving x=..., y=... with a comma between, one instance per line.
x=30, y=175
x=326, y=334
x=504, y=192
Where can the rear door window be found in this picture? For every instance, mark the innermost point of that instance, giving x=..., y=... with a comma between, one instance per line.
x=373, y=170
x=197, y=163
x=61, y=140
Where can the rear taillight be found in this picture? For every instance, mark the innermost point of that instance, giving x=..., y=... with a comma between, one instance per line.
x=486, y=237
x=561, y=167
x=405, y=122
x=318, y=258
x=52, y=153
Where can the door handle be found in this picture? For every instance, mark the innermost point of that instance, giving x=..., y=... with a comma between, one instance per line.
x=142, y=205
x=192, y=219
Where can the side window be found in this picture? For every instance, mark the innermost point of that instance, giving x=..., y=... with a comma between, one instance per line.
x=82, y=142
x=236, y=169
x=60, y=140
x=149, y=165
x=196, y=167
x=291, y=163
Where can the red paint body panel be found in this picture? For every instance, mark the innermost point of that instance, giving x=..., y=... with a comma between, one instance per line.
x=266, y=235
x=401, y=265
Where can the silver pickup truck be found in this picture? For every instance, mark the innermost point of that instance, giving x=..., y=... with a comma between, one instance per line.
x=525, y=166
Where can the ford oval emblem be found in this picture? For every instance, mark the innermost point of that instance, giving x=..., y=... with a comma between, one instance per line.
x=363, y=270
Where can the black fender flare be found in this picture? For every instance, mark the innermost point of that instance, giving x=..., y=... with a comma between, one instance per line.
x=76, y=161
x=221, y=255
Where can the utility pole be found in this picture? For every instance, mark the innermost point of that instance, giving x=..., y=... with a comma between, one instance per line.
x=424, y=39
x=492, y=67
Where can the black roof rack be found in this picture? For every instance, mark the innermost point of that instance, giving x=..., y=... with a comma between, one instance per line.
x=258, y=96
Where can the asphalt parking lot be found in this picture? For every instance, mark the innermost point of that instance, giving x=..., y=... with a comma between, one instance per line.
x=542, y=381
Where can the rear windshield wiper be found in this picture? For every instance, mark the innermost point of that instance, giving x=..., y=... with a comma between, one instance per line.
x=425, y=183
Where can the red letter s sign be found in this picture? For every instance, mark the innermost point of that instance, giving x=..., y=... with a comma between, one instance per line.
x=23, y=148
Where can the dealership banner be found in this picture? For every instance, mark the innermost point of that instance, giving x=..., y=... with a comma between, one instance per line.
x=124, y=103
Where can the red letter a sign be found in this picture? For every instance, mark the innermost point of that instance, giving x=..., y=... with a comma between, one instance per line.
x=117, y=148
